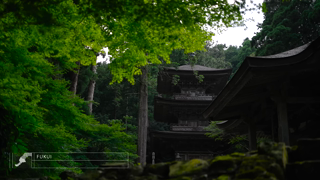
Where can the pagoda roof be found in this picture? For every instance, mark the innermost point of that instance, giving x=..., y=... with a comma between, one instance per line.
x=192, y=68
x=212, y=77
x=188, y=70
x=251, y=83
x=164, y=108
x=181, y=135
x=175, y=102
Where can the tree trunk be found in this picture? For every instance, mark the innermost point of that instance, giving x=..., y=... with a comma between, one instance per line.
x=74, y=79
x=92, y=84
x=143, y=117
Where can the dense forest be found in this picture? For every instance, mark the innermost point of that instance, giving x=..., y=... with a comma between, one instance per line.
x=54, y=97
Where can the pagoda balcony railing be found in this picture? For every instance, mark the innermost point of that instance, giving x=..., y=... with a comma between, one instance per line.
x=187, y=128
x=177, y=97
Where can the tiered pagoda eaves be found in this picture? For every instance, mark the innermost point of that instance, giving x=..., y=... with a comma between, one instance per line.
x=189, y=97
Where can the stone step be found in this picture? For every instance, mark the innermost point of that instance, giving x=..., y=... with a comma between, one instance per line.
x=309, y=149
x=303, y=170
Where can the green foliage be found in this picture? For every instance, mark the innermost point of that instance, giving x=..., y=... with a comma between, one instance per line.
x=287, y=25
x=175, y=79
x=213, y=56
x=244, y=51
x=85, y=74
x=240, y=142
x=215, y=132
x=178, y=57
x=231, y=54
x=116, y=100
x=39, y=42
x=264, y=7
x=110, y=137
x=199, y=77
x=139, y=33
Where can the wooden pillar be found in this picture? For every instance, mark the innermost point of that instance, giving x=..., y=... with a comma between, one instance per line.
x=252, y=135
x=279, y=96
x=152, y=139
x=272, y=130
x=283, y=129
x=153, y=157
x=269, y=117
x=252, y=132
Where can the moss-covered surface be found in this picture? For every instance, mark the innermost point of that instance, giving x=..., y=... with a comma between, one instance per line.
x=268, y=163
x=193, y=166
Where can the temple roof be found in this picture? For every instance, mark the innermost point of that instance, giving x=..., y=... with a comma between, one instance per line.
x=289, y=53
x=299, y=67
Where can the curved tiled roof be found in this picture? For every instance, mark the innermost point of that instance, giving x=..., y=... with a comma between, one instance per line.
x=289, y=53
x=263, y=70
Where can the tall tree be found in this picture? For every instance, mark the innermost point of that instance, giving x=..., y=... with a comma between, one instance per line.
x=287, y=25
x=143, y=116
x=74, y=74
x=91, y=87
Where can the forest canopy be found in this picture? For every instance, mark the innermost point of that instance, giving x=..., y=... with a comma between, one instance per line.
x=48, y=64
x=44, y=43
x=48, y=68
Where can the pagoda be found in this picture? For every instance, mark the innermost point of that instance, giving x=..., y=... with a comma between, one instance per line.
x=180, y=104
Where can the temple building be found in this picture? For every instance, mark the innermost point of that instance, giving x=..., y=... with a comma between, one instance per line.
x=180, y=104
x=277, y=94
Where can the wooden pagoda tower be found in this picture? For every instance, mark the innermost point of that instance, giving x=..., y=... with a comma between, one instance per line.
x=182, y=109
